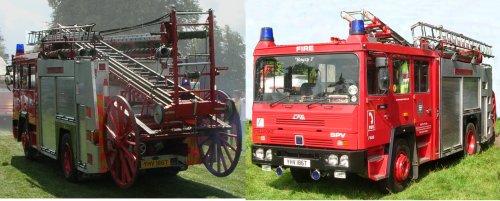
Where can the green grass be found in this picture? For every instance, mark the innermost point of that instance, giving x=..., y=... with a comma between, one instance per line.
x=476, y=177
x=43, y=178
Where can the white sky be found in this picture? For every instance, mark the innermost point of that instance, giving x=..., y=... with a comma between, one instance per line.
x=17, y=17
x=306, y=21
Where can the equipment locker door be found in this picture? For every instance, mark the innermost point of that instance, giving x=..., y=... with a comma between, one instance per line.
x=422, y=103
x=48, y=115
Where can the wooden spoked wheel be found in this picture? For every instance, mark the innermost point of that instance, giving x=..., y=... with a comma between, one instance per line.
x=221, y=148
x=121, y=142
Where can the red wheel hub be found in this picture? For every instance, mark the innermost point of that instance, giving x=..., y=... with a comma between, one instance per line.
x=471, y=142
x=67, y=159
x=402, y=167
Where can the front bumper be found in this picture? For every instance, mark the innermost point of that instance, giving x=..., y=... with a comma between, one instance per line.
x=317, y=157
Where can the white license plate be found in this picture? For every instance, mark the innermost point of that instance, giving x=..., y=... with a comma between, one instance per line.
x=297, y=162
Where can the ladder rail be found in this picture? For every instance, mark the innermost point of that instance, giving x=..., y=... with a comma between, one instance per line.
x=455, y=40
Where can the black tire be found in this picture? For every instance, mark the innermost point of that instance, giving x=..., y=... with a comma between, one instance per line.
x=29, y=151
x=69, y=169
x=401, y=158
x=471, y=148
x=301, y=175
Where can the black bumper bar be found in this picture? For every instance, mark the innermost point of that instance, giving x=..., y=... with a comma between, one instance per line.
x=317, y=157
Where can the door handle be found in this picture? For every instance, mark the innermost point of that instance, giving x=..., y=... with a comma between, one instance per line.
x=382, y=106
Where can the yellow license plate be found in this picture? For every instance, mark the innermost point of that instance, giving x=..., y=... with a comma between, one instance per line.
x=147, y=164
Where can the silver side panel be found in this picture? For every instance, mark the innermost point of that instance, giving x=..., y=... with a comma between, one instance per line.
x=465, y=90
x=66, y=96
x=451, y=114
x=47, y=102
x=471, y=93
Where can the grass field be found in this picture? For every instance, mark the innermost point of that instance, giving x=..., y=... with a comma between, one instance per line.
x=476, y=177
x=43, y=178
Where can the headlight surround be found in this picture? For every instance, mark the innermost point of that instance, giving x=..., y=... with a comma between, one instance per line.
x=344, y=161
x=259, y=154
x=332, y=160
x=353, y=89
x=269, y=155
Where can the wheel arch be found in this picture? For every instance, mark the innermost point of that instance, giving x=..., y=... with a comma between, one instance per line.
x=407, y=132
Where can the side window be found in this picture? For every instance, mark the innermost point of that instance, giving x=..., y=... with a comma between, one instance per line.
x=401, y=75
x=377, y=75
x=421, y=76
x=24, y=77
x=17, y=76
x=32, y=76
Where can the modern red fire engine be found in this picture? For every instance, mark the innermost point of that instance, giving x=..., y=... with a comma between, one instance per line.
x=373, y=105
x=99, y=108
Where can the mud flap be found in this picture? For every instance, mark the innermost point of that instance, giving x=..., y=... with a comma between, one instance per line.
x=22, y=124
x=409, y=132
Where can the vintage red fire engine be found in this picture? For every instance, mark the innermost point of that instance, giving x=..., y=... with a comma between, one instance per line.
x=99, y=108
x=373, y=105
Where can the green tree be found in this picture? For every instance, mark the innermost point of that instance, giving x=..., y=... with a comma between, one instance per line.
x=2, y=46
x=112, y=14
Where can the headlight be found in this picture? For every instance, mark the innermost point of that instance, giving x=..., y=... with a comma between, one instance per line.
x=354, y=98
x=259, y=153
x=344, y=161
x=269, y=155
x=333, y=160
x=353, y=89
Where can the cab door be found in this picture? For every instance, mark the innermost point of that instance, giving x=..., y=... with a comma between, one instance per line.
x=402, y=101
x=422, y=105
x=378, y=109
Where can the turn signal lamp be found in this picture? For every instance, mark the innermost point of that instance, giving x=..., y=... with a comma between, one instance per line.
x=357, y=27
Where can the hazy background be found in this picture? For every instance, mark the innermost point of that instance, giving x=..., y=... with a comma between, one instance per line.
x=304, y=21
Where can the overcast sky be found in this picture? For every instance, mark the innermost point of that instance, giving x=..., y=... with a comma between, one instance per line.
x=20, y=16
x=306, y=21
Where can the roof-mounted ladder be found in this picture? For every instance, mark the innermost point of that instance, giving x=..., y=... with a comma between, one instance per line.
x=438, y=37
x=375, y=27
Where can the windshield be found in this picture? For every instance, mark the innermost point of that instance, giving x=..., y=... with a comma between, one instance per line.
x=329, y=78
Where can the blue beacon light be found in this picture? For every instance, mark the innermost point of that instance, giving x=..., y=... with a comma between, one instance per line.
x=266, y=34
x=357, y=27
x=20, y=48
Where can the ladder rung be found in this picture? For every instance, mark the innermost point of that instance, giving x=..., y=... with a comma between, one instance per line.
x=193, y=64
x=191, y=13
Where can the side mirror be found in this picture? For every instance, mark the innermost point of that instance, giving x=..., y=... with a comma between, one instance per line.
x=8, y=80
x=383, y=78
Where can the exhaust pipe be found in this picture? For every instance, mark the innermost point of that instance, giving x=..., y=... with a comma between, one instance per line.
x=279, y=171
x=315, y=175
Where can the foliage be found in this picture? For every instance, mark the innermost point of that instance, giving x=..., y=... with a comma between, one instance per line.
x=2, y=46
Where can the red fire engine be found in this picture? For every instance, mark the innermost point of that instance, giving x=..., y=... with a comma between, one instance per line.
x=98, y=109
x=373, y=105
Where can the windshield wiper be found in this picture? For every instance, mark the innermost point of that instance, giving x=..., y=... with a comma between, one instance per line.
x=317, y=102
x=281, y=99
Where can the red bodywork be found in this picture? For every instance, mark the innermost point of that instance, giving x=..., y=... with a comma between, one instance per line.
x=346, y=127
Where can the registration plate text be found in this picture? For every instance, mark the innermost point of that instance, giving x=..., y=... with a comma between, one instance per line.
x=297, y=162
